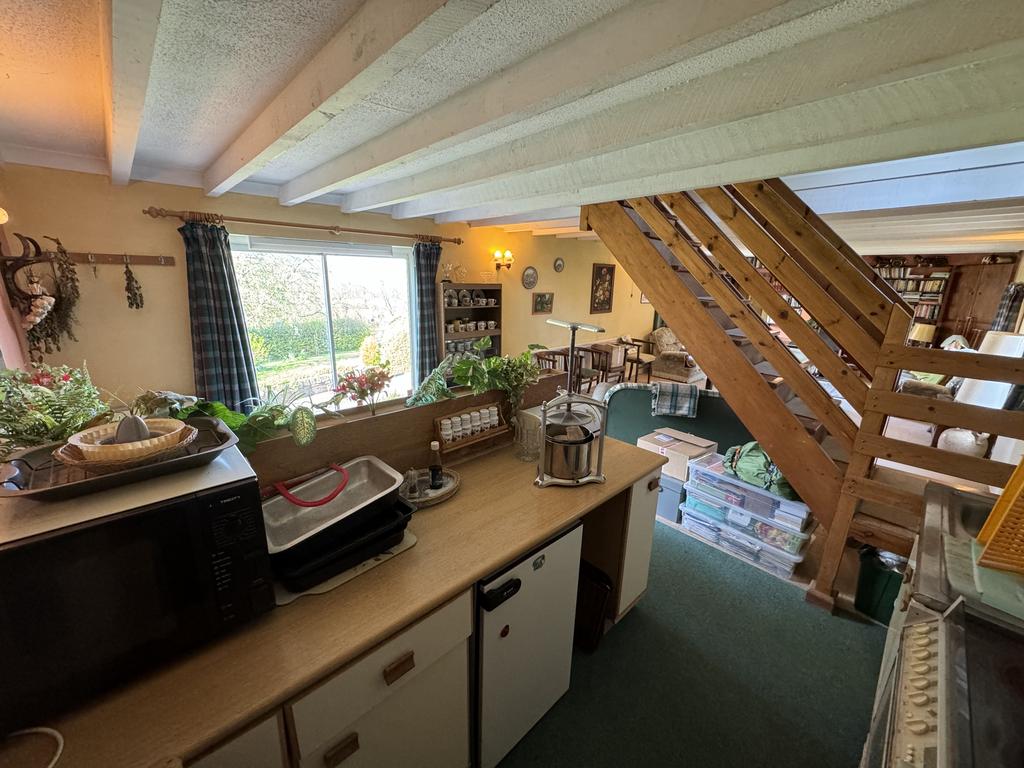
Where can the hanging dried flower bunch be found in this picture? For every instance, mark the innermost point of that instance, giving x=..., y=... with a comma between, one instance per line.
x=46, y=302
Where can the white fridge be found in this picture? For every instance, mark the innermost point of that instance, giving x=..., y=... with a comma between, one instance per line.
x=525, y=630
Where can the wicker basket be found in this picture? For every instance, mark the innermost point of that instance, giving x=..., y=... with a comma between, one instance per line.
x=92, y=442
x=73, y=456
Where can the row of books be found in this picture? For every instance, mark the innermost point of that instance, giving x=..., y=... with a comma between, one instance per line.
x=923, y=284
x=927, y=313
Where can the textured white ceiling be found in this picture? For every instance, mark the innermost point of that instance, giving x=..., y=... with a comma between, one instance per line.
x=51, y=93
x=216, y=65
x=511, y=107
x=506, y=33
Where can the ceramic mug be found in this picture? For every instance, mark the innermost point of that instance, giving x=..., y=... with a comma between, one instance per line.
x=457, y=325
x=481, y=302
x=492, y=302
x=450, y=327
x=492, y=324
x=467, y=302
x=470, y=326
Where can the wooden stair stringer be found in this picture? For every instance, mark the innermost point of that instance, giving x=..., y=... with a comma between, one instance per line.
x=766, y=342
x=802, y=460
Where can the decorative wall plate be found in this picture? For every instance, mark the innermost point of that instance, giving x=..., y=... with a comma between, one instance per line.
x=559, y=264
x=530, y=278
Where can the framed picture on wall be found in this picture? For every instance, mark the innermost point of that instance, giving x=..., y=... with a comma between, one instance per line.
x=543, y=303
x=602, y=288
x=644, y=299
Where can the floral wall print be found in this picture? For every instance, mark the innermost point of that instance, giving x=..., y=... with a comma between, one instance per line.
x=543, y=303
x=602, y=288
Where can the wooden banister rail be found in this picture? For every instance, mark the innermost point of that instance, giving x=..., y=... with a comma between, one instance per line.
x=995, y=421
x=829, y=315
x=696, y=221
x=845, y=282
x=814, y=220
x=971, y=365
x=983, y=471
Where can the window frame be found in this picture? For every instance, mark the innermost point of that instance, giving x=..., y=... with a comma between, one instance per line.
x=325, y=248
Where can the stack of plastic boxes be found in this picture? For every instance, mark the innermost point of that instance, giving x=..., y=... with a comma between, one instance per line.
x=745, y=520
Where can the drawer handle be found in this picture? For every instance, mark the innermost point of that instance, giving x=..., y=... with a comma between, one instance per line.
x=341, y=751
x=394, y=671
x=653, y=483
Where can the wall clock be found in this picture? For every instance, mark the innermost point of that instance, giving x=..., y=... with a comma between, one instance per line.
x=530, y=278
x=559, y=264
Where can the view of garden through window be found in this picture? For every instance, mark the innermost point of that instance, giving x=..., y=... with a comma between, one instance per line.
x=286, y=311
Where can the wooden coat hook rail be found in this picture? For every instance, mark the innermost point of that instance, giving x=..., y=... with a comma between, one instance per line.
x=96, y=259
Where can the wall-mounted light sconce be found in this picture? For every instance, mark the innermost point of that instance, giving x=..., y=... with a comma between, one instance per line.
x=505, y=260
x=4, y=218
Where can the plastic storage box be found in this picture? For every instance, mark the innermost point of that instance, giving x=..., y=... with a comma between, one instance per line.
x=764, y=529
x=670, y=497
x=708, y=476
x=738, y=544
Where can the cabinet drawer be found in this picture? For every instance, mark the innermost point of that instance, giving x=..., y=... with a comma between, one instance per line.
x=323, y=714
x=259, y=747
x=426, y=724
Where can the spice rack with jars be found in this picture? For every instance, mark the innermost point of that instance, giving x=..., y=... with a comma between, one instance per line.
x=470, y=427
x=468, y=312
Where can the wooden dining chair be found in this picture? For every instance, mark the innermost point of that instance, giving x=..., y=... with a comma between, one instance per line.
x=609, y=360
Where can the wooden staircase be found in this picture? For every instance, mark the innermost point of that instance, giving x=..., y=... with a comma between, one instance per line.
x=828, y=312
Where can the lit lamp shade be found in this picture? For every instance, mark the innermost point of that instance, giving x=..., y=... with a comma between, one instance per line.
x=922, y=333
x=4, y=218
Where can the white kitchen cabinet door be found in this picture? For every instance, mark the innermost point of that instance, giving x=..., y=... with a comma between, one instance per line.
x=526, y=643
x=636, y=556
x=259, y=747
x=423, y=725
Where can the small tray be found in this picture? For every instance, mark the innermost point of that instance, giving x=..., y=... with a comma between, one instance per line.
x=452, y=481
x=36, y=474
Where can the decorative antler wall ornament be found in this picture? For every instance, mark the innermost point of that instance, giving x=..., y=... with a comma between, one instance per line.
x=43, y=287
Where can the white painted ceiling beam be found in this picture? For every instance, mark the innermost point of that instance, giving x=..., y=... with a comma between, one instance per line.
x=970, y=105
x=598, y=65
x=380, y=39
x=543, y=223
x=572, y=212
x=899, y=47
x=127, y=37
x=960, y=186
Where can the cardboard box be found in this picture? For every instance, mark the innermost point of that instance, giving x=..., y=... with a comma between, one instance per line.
x=678, y=447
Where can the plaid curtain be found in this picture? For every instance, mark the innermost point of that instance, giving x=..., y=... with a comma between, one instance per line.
x=426, y=257
x=224, y=368
x=1009, y=307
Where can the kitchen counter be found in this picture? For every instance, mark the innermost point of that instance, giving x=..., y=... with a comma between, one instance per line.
x=188, y=707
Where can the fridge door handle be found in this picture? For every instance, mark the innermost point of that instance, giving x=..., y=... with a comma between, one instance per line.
x=492, y=598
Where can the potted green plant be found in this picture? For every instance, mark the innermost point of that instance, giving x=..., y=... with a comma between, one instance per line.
x=47, y=404
x=510, y=374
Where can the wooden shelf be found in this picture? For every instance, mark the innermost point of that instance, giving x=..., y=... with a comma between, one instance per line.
x=492, y=306
x=472, y=334
x=465, y=442
x=471, y=286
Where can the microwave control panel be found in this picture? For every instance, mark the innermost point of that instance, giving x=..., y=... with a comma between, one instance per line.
x=915, y=736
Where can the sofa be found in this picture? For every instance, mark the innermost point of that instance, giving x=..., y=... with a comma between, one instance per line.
x=671, y=360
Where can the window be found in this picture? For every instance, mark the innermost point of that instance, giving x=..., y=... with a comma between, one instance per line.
x=317, y=309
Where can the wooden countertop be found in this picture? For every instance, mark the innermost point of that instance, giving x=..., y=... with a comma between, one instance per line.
x=186, y=708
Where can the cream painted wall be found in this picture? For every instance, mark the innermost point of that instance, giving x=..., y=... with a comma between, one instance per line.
x=128, y=350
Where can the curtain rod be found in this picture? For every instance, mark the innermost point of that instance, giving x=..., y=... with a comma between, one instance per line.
x=218, y=218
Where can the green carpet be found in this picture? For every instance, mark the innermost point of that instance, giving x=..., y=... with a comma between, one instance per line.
x=719, y=665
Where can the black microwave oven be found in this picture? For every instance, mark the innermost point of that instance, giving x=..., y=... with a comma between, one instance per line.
x=86, y=606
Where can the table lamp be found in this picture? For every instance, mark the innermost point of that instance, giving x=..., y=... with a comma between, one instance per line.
x=922, y=334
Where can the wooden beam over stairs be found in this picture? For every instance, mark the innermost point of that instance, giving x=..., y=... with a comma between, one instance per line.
x=803, y=461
